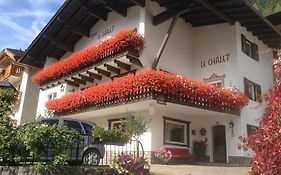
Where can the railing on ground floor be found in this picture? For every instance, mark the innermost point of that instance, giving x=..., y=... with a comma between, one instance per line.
x=77, y=152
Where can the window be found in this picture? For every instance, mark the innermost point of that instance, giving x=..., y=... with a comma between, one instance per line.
x=250, y=48
x=252, y=90
x=176, y=132
x=251, y=129
x=215, y=80
x=116, y=123
x=87, y=128
x=73, y=125
x=52, y=96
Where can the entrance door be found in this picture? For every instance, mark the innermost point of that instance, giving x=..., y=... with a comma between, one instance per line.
x=219, y=144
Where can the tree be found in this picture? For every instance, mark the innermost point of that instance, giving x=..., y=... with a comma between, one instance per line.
x=7, y=99
x=266, y=7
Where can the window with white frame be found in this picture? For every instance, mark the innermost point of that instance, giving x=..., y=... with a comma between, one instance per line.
x=116, y=123
x=52, y=96
x=252, y=90
x=176, y=132
x=249, y=48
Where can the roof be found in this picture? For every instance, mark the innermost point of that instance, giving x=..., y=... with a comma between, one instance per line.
x=14, y=54
x=5, y=84
x=17, y=54
x=76, y=17
x=71, y=22
x=275, y=18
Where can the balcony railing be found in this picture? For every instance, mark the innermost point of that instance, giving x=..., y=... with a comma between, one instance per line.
x=12, y=70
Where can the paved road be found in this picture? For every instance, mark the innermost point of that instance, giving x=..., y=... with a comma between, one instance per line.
x=197, y=170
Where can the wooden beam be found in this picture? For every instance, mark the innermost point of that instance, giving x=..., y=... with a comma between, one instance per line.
x=112, y=69
x=124, y=74
x=93, y=11
x=216, y=11
x=103, y=72
x=75, y=28
x=94, y=75
x=60, y=44
x=170, y=13
x=72, y=83
x=86, y=78
x=134, y=61
x=140, y=3
x=78, y=80
x=112, y=5
x=122, y=65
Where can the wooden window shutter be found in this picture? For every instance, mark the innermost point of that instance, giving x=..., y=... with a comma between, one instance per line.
x=246, y=86
x=275, y=56
x=255, y=51
x=249, y=130
x=243, y=42
x=258, y=93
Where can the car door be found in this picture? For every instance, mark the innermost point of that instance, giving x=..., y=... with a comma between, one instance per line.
x=76, y=149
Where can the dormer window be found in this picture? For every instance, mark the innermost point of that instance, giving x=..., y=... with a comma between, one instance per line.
x=249, y=48
x=215, y=80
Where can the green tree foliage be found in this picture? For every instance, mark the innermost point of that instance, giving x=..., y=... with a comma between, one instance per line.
x=266, y=7
x=7, y=132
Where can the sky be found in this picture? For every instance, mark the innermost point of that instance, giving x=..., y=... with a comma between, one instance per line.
x=22, y=20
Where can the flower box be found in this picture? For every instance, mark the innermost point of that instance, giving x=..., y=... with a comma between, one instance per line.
x=122, y=41
x=151, y=84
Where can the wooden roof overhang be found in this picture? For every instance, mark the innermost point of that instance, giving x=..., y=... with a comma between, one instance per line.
x=111, y=66
x=207, y=12
x=76, y=17
x=275, y=18
x=71, y=22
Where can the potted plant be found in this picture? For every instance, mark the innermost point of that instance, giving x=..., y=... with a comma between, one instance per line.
x=129, y=165
x=199, y=149
x=163, y=155
x=113, y=136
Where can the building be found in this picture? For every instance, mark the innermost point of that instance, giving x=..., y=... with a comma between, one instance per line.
x=17, y=76
x=221, y=42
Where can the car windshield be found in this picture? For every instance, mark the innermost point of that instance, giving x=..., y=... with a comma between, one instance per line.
x=49, y=121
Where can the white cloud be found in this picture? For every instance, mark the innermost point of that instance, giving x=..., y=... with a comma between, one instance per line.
x=20, y=32
x=27, y=13
x=4, y=2
x=34, y=14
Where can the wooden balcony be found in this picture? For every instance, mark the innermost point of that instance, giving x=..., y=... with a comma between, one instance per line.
x=13, y=70
x=112, y=66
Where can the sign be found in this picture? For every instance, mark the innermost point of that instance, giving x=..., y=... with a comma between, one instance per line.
x=216, y=60
x=104, y=32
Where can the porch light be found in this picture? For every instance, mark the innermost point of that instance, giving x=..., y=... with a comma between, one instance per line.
x=231, y=124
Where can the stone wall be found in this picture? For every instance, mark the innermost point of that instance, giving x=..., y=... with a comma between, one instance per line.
x=25, y=170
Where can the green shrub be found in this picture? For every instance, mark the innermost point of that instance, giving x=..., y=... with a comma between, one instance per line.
x=41, y=140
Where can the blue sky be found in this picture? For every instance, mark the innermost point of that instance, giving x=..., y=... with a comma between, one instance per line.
x=22, y=20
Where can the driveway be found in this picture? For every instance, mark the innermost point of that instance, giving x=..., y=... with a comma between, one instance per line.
x=197, y=170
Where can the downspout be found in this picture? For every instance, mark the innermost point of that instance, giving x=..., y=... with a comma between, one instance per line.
x=164, y=42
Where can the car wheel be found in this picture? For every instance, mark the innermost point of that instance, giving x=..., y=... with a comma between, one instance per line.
x=91, y=157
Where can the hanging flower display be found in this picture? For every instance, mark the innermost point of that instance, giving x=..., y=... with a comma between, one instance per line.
x=123, y=40
x=157, y=83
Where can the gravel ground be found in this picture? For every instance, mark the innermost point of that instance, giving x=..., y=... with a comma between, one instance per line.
x=197, y=170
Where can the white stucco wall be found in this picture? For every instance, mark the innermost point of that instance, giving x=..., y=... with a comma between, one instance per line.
x=211, y=42
x=26, y=109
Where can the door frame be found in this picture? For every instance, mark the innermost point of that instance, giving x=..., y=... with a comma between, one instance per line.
x=213, y=144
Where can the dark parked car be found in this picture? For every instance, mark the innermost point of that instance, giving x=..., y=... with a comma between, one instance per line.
x=86, y=151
